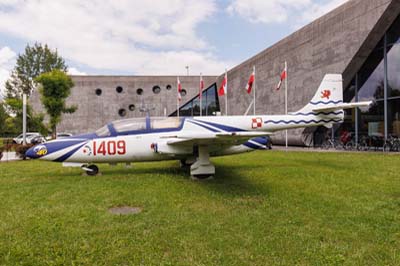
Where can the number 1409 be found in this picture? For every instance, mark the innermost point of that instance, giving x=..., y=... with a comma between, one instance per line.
x=109, y=147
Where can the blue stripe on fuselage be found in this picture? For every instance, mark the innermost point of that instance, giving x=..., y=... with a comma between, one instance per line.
x=223, y=127
x=253, y=146
x=69, y=154
x=204, y=126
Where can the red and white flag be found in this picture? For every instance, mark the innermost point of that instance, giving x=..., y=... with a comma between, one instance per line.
x=283, y=77
x=201, y=86
x=250, y=83
x=224, y=86
x=179, y=87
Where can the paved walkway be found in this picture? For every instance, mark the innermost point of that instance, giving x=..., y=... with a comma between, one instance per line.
x=307, y=149
x=9, y=156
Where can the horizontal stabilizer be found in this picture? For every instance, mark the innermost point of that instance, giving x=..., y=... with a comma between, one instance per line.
x=217, y=138
x=341, y=106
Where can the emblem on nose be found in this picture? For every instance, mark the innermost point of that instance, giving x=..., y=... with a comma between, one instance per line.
x=40, y=150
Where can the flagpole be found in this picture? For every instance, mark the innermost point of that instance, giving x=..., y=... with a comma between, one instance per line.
x=226, y=93
x=177, y=96
x=254, y=93
x=200, y=94
x=286, y=105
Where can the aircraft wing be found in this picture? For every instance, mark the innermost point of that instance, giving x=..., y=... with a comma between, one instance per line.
x=341, y=106
x=229, y=138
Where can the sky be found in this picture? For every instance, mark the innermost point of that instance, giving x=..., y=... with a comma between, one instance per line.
x=158, y=37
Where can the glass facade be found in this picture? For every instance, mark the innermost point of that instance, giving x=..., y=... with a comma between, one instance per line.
x=378, y=80
x=209, y=104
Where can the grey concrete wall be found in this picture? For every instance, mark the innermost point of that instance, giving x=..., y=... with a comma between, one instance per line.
x=335, y=43
x=95, y=111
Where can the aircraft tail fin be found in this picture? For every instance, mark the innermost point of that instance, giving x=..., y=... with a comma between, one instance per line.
x=329, y=93
x=327, y=102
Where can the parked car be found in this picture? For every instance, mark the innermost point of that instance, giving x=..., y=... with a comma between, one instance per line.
x=29, y=137
x=60, y=135
x=64, y=135
x=38, y=140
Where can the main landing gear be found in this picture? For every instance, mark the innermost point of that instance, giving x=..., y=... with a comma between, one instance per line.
x=202, y=168
x=91, y=170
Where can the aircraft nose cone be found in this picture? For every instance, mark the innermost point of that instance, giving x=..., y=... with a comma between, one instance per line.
x=36, y=151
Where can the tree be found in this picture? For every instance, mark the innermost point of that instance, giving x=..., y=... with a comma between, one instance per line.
x=55, y=89
x=3, y=117
x=35, y=60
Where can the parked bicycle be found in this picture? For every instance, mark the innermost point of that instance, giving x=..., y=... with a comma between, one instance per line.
x=392, y=144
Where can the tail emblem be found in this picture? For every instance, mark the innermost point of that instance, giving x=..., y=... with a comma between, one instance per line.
x=325, y=94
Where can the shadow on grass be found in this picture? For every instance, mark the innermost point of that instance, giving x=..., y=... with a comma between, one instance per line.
x=229, y=179
x=234, y=181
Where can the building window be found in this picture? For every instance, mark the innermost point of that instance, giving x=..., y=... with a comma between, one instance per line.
x=168, y=87
x=183, y=93
x=139, y=91
x=98, y=91
x=132, y=107
x=156, y=89
x=119, y=89
x=122, y=112
x=373, y=120
x=210, y=104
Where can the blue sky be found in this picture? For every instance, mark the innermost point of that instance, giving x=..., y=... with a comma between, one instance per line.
x=158, y=37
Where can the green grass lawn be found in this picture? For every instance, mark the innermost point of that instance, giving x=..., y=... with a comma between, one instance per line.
x=262, y=208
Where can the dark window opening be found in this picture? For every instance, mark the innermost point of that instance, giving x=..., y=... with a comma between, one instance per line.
x=119, y=89
x=156, y=89
x=139, y=91
x=98, y=91
x=210, y=104
x=183, y=93
x=122, y=112
x=132, y=107
x=169, y=87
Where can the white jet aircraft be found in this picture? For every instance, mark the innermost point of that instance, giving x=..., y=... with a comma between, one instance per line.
x=191, y=139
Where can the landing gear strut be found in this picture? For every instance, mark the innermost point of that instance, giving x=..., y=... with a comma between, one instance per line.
x=202, y=168
x=91, y=170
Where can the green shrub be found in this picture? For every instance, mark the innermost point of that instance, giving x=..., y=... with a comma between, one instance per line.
x=22, y=149
x=6, y=141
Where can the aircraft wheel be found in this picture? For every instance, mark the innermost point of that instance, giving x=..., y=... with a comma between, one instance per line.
x=202, y=177
x=94, y=170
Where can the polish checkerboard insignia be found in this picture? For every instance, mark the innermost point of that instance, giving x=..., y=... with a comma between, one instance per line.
x=256, y=122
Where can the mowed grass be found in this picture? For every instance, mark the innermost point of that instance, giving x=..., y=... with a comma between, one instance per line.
x=262, y=208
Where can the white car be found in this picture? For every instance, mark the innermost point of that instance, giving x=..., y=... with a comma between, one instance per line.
x=60, y=135
x=29, y=137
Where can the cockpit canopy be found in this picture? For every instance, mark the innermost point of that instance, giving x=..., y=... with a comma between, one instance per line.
x=145, y=125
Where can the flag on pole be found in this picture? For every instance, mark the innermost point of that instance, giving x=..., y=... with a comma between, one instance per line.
x=250, y=83
x=201, y=86
x=179, y=87
x=224, y=86
x=283, y=77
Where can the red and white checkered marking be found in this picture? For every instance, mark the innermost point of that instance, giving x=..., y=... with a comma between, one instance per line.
x=256, y=122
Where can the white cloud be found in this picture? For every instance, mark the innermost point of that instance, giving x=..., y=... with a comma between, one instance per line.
x=74, y=71
x=280, y=11
x=157, y=37
x=7, y=61
x=261, y=11
x=317, y=10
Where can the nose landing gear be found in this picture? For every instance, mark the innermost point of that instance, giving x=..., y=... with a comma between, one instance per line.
x=91, y=170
